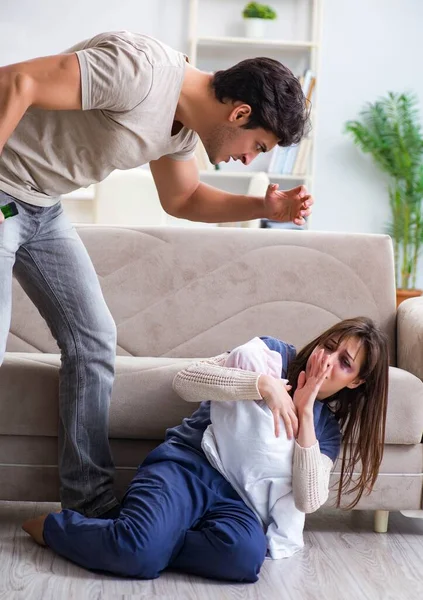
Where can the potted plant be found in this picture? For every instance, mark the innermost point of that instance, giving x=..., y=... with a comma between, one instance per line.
x=390, y=131
x=255, y=15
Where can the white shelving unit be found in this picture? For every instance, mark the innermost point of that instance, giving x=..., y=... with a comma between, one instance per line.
x=240, y=41
x=216, y=43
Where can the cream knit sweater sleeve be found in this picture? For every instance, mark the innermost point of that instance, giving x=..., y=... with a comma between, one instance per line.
x=208, y=379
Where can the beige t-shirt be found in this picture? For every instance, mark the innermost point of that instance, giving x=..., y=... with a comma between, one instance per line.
x=130, y=90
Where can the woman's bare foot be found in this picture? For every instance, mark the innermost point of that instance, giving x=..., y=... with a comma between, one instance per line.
x=35, y=528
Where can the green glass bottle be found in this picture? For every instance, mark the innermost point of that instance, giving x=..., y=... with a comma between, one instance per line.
x=10, y=210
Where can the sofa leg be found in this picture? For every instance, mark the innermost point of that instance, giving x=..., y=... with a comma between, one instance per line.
x=381, y=521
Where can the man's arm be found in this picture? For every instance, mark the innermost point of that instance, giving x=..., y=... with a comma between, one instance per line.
x=183, y=195
x=52, y=82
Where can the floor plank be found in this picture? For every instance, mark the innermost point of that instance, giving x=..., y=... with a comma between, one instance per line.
x=343, y=559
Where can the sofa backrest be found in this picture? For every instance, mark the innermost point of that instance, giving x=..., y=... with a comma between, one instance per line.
x=194, y=292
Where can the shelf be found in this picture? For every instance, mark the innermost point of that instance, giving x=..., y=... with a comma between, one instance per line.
x=241, y=41
x=280, y=176
x=248, y=174
x=301, y=51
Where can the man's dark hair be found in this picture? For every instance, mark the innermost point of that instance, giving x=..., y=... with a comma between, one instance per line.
x=274, y=94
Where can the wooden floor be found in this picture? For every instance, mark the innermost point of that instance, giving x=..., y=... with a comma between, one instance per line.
x=343, y=559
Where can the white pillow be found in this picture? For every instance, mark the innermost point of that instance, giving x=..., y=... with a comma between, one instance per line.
x=241, y=444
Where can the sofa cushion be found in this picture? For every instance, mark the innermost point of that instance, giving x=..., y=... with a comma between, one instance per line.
x=169, y=300
x=396, y=459
x=144, y=403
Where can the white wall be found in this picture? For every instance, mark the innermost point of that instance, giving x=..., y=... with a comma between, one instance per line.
x=31, y=28
x=368, y=48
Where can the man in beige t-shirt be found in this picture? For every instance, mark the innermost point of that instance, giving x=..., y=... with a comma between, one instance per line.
x=117, y=101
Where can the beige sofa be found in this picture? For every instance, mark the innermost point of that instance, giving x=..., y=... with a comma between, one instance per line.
x=178, y=293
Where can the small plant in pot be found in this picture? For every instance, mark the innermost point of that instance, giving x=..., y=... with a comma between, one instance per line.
x=255, y=15
x=390, y=131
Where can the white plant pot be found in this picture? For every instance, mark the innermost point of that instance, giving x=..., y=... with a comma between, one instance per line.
x=255, y=28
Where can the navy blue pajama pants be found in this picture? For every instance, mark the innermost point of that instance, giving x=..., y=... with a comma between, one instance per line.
x=178, y=512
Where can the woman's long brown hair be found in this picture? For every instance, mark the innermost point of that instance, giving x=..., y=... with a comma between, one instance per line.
x=360, y=412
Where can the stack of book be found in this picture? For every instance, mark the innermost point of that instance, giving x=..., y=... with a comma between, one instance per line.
x=293, y=160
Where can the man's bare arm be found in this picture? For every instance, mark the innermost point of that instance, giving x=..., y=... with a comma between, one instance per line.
x=52, y=82
x=183, y=195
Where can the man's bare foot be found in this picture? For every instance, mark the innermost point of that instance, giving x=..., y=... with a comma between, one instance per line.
x=35, y=528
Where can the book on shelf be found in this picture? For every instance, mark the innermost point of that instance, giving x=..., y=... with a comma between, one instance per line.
x=293, y=160
x=300, y=166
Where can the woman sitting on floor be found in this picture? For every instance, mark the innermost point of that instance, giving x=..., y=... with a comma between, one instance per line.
x=181, y=512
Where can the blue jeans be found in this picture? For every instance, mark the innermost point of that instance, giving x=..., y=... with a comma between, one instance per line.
x=178, y=512
x=52, y=265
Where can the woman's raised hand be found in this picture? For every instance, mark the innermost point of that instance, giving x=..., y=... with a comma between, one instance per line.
x=275, y=393
x=308, y=386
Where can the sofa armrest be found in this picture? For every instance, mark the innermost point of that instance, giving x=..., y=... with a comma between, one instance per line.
x=404, y=419
x=410, y=336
